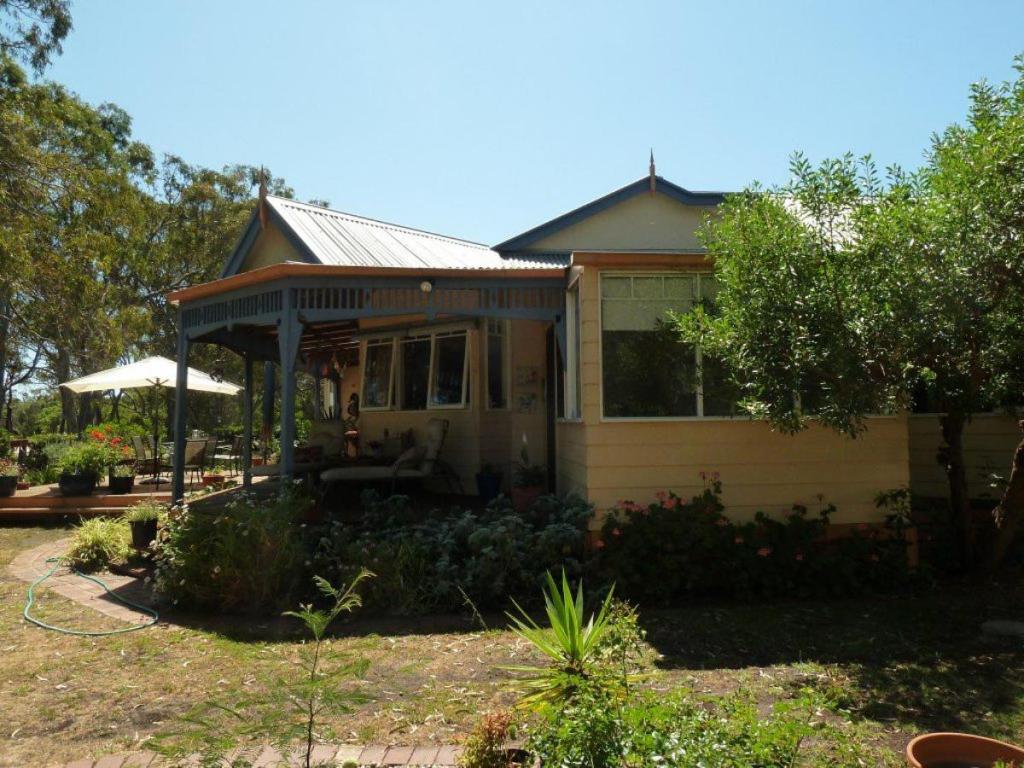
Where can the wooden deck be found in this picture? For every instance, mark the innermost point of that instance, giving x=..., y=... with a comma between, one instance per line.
x=46, y=501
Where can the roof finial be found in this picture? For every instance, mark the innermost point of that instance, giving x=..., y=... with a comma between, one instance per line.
x=262, y=205
x=654, y=178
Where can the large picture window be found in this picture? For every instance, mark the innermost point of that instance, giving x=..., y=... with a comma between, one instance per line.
x=377, y=370
x=497, y=363
x=646, y=371
x=417, y=372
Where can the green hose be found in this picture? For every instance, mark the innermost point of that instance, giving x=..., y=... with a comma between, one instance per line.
x=56, y=561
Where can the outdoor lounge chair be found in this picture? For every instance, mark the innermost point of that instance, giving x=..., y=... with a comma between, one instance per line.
x=146, y=463
x=417, y=463
x=195, y=452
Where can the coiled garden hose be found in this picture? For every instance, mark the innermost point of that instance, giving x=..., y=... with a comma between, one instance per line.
x=84, y=633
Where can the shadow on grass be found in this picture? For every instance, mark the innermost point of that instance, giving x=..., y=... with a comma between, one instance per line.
x=919, y=661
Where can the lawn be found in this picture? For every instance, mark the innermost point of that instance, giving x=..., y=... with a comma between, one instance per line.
x=885, y=668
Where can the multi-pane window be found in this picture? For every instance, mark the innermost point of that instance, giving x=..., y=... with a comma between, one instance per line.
x=414, y=365
x=429, y=371
x=646, y=371
x=497, y=363
x=448, y=384
x=377, y=370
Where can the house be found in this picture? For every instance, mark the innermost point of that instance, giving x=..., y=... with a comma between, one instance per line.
x=552, y=336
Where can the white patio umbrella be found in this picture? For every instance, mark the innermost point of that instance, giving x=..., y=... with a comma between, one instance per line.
x=154, y=372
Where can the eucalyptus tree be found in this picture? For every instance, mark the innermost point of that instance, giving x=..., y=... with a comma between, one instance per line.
x=844, y=294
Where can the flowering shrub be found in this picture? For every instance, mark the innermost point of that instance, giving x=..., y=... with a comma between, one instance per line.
x=443, y=559
x=672, y=549
x=245, y=556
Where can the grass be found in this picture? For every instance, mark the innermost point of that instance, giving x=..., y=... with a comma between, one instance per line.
x=885, y=668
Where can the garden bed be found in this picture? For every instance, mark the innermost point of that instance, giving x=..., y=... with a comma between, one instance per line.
x=888, y=668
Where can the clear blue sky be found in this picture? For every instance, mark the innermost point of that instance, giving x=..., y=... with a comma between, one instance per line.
x=480, y=119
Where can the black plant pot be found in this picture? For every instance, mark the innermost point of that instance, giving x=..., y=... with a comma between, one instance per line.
x=8, y=485
x=488, y=485
x=77, y=483
x=143, y=533
x=120, y=485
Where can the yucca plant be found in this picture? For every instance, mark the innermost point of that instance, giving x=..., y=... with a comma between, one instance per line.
x=569, y=643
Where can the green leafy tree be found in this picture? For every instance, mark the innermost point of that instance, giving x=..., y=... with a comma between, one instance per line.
x=33, y=30
x=843, y=294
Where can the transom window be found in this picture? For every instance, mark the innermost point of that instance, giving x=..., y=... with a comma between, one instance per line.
x=646, y=371
x=413, y=373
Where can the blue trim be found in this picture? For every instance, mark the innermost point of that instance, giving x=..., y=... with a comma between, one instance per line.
x=640, y=186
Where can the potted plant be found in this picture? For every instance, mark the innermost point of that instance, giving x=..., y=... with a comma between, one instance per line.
x=8, y=477
x=80, y=468
x=143, y=519
x=488, y=482
x=528, y=480
x=937, y=750
x=121, y=479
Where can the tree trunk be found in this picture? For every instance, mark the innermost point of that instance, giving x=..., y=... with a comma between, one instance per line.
x=1010, y=508
x=959, y=498
x=5, y=329
x=67, y=397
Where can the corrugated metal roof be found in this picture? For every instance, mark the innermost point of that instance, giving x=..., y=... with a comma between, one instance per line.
x=335, y=238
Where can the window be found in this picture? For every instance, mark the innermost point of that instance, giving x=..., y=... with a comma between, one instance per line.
x=572, y=393
x=377, y=374
x=497, y=363
x=448, y=387
x=646, y=371
x=430, y=370
x=415, y=370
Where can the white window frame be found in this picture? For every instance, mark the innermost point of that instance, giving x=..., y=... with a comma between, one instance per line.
x=699, y=275
x=431, y=406
x=379, y=341
x=412, y=338
x=506, y=359
x=396, y=340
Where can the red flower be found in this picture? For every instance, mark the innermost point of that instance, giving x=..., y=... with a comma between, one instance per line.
x=599, y=544
x=738, y=540
x=616, y=532
x=764, y=551
x=799, y=556
x=670, y=503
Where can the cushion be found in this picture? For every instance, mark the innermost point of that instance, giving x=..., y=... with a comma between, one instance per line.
x=411, y=458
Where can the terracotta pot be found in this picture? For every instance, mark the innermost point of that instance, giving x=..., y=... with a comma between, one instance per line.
x=523, y=498
x=950, y=750
x=23, y=486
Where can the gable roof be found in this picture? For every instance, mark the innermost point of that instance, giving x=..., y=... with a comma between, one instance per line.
x=640, y=186
x=334, y=238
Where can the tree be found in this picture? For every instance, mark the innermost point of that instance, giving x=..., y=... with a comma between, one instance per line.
x=33, y=29
x=842, y=294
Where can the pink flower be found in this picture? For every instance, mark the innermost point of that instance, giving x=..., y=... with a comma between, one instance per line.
x=661, y=496
x=670, y=503
x=799, y=557
x=616, y=532
x=764, y=551
x=738, y=540
x=721, y=522
x=599, y=544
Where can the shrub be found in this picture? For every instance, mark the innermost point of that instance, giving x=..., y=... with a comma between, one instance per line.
x=674, y=549
x=485, y=747
x=97, y=542
x=585, y=730
x=245, y=556
x=9, y=468
x=89, y=456
x=442, y=559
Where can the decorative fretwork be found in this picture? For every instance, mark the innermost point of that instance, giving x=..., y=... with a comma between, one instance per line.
x=227, y=311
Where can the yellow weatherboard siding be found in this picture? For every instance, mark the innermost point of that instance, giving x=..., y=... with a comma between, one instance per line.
x=270, y=247
x=642, y=223
x=989, y=442
x=759, y=469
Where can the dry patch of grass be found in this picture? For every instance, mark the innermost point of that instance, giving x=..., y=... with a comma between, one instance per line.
x=884, y=669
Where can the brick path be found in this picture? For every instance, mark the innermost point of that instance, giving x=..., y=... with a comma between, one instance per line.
x=323, y=754
x=31, y=564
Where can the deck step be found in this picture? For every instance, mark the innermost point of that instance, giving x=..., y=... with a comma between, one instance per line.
x=36, y=513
